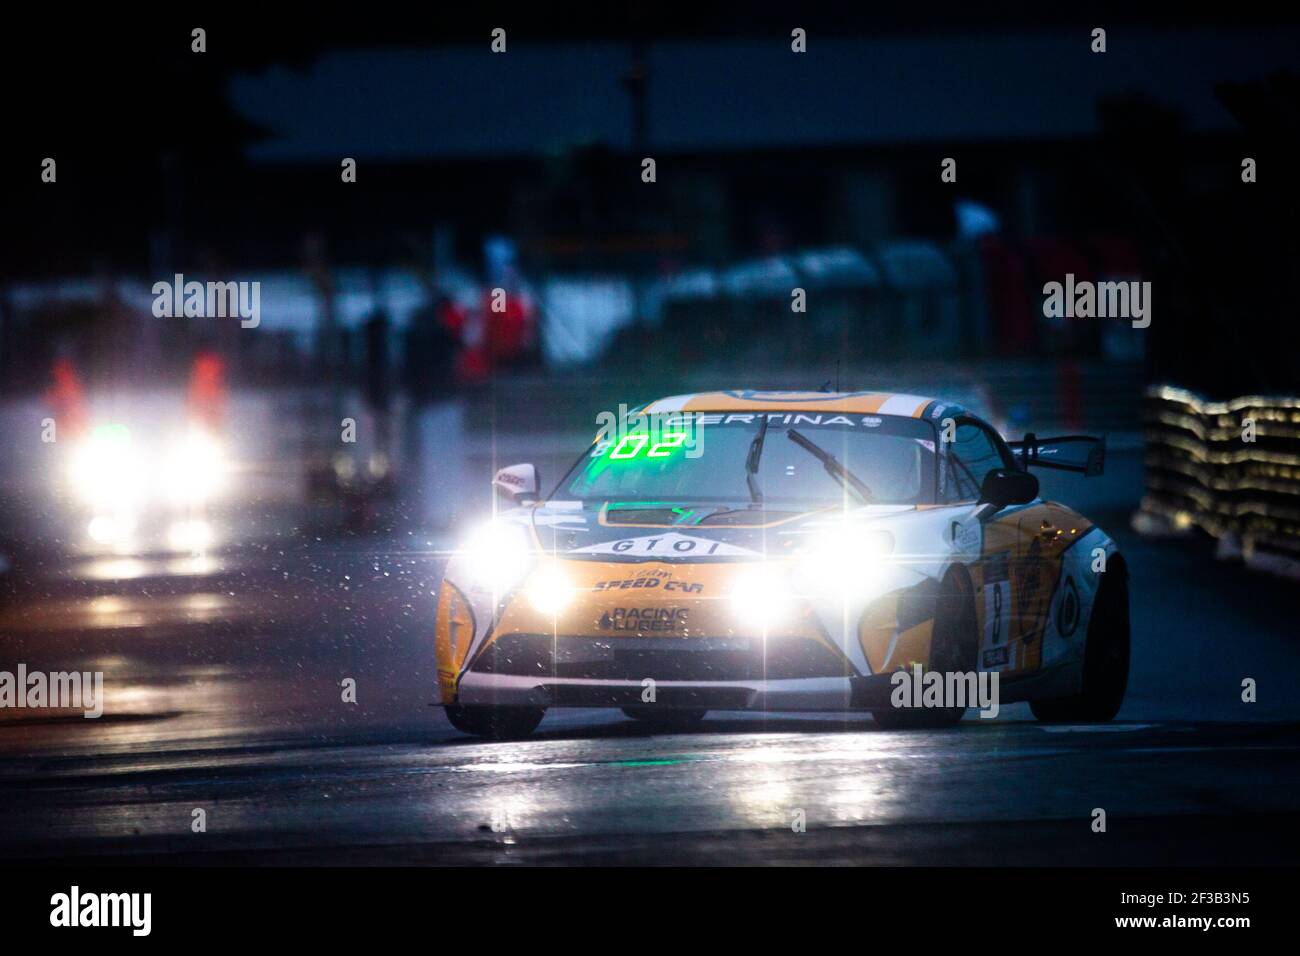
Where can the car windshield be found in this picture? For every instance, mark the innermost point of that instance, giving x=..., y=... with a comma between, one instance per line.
x=792, y=458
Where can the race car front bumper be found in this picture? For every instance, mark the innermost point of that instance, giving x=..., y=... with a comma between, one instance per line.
x=507, y=690
x=855, y=693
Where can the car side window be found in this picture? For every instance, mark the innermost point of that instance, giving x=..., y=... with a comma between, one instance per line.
x=971, y=455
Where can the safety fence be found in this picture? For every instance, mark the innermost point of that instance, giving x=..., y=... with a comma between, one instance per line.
x=1229, y=468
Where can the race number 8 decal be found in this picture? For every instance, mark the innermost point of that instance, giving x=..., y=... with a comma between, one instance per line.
x=997, y=610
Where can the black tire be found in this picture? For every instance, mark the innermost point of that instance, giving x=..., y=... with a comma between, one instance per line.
x=956, y=648
x=1105, y=660
x=664, y=718
x=495, y=723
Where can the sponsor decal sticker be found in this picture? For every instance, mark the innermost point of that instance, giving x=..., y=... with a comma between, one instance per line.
x=995, y=657
x=648, y=580
x=1067, y=614
x=669, y=545
x=645, y=619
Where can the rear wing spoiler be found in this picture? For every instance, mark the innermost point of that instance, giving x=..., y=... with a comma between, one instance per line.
x=1078, y=453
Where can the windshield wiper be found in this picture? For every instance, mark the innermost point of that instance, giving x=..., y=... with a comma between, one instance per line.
x=832, y=465
x=751, y=462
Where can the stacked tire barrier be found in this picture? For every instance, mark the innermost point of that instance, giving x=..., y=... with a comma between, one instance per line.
x=1229, y=468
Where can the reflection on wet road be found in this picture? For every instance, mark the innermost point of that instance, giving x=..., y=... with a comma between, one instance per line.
x=224, y=693
x=613, y=792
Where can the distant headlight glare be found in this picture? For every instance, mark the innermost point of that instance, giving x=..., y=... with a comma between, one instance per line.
x=194, y=470
x=107, y=471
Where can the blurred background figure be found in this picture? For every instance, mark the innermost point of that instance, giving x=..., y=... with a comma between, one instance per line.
x=479, y=296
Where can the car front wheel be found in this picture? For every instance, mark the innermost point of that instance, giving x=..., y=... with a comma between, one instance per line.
x=1105, y=661
x=954, y=642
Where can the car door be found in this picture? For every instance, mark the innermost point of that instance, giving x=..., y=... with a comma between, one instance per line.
x=1000, y=575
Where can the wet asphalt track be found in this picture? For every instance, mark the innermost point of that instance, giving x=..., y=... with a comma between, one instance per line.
x=223, y=694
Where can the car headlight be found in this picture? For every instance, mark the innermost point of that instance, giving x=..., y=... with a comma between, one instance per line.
x=114, y=529
x=107, y=471
x=194, y=535
x=762, y=596
x=497, y=556
x=194, y=470
x=549, y=589
x=843, y=560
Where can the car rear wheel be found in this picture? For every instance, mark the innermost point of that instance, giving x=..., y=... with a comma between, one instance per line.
x=1105, y=660
x=955, y=643
x=664, y=718
x=495, y=723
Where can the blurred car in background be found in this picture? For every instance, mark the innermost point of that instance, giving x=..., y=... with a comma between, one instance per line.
x=135, y=490
x=140, y=473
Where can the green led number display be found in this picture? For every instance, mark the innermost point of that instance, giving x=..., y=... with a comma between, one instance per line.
x=634, y=445
x=629, y=447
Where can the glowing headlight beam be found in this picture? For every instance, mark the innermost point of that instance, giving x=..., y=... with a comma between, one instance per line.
x=844, y=560
x=194, y=469
x=550, y=590
x=762, y=596
x=107, y=471
x=497, y=556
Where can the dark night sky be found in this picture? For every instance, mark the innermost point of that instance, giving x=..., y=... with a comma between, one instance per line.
x=411, y=104
x=234, y=152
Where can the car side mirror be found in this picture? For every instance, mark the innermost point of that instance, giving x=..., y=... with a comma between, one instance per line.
x=1006, y=486
x=517, y=483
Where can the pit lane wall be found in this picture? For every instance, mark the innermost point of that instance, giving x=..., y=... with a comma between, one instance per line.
x=1229, y=468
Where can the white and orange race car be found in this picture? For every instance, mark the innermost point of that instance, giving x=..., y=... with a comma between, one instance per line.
x=782, y=551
